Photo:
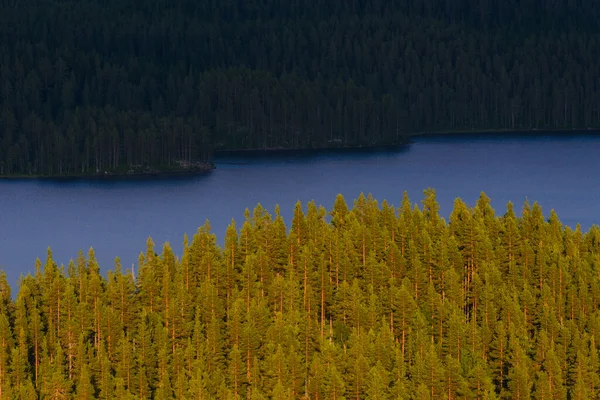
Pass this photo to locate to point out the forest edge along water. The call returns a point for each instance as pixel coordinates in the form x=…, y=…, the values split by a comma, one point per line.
x=189, y=168
x=133, y=172
x=116, y=216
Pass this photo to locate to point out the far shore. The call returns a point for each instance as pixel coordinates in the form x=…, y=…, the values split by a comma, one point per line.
x=404, y=140
x=540, y=131
x=112, y=175
x=284, y=150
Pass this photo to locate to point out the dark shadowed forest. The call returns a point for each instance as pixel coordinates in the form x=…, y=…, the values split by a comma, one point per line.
x=367, y=302
x=91, y=86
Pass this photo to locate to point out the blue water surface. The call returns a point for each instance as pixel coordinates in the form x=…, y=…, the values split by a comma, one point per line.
x=117, y=216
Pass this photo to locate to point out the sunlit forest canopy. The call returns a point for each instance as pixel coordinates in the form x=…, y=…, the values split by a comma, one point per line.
x=89, y=86
x=362, y=301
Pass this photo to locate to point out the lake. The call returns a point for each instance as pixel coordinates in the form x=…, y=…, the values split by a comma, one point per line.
x=117, y=216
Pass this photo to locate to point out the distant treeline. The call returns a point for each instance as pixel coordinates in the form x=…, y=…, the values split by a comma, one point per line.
x=89, y=86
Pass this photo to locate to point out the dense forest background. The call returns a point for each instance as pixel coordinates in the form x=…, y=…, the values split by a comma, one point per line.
x=90, y=85
x=372, y=302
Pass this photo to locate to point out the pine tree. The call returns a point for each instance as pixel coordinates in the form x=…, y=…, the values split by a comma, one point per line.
x=378, y=383
x=145, y=357
x=163, y=389
x=55, y=384
x=6, y=344
x=20, y=369
x=84, y=389
x=237, y=378
x=149, y=278
x=104, y=377
x=334, y=384
x=233, y=261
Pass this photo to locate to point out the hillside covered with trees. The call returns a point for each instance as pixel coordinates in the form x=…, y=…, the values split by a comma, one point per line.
x=372, y=302
x=89, y=86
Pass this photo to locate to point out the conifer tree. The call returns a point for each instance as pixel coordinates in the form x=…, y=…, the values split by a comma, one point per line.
x=84, y=389
x=6, y=344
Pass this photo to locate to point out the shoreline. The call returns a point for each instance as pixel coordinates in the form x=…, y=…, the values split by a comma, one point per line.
x=112, y=175
x=405, y=140
x=284, y=150
x=535, y=131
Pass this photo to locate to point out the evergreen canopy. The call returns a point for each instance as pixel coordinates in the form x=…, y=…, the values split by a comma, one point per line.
x=375, y=302
x=90, y=85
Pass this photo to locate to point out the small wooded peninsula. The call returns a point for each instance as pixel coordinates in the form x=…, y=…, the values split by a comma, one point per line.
x=370, y=301
x=92, y=87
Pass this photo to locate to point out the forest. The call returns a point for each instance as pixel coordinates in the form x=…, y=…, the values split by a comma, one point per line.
x=93, y=86
x=367, y=301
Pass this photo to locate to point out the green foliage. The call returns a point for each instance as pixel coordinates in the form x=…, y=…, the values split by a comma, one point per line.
x=483, y=306
x=90, y=87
